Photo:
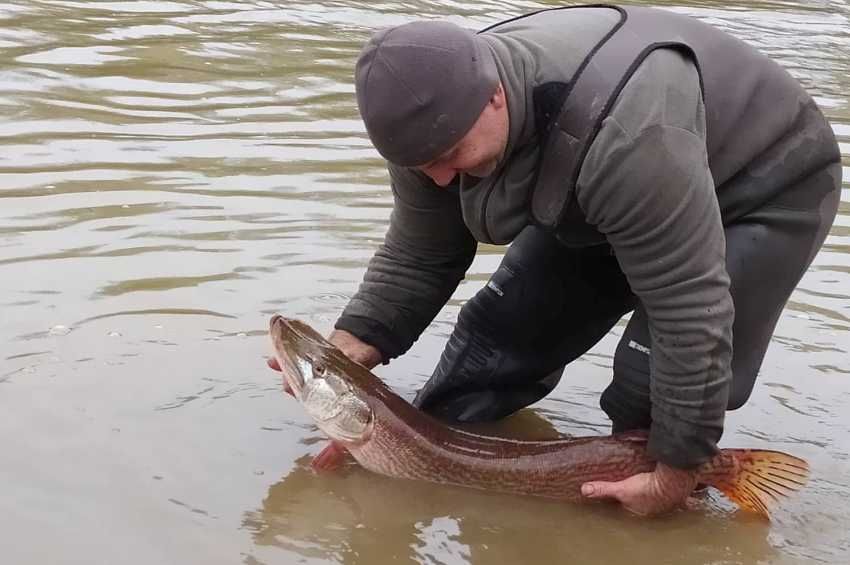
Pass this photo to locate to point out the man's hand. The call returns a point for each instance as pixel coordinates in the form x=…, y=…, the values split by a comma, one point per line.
x=273, y=364
x=355, y=349
x=647, y=494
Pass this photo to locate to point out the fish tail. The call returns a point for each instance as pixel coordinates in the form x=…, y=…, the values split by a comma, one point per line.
x=755, y=479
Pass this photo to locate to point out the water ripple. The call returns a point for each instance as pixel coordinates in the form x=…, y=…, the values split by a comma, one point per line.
x=203, y=162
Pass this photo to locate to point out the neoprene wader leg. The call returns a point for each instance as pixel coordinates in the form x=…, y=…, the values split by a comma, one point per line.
x=768, y=251
x=544, y=306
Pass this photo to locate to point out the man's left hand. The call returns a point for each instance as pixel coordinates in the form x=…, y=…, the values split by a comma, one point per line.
x=647, y=494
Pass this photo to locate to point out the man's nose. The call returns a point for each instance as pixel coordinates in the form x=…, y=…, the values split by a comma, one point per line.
x=441, y=175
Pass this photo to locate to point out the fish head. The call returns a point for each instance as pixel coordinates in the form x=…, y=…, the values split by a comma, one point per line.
x=320, y=376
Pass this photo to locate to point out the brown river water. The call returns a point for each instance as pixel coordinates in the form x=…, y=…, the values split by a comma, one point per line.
x=174, y=172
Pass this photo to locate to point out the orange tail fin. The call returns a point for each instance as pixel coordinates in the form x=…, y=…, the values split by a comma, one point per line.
x=754, y=479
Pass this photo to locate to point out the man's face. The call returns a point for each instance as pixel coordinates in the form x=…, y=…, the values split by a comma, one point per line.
x=479, y=152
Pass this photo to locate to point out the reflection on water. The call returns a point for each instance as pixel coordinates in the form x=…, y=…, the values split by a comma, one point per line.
x=344, y=517
x=175, y=171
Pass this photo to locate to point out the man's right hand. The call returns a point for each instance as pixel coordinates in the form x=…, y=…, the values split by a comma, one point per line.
x=355, y=349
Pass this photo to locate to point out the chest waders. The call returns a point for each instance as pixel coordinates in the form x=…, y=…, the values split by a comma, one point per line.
x=559, y=289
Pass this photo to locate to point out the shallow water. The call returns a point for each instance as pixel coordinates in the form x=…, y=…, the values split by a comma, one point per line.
x=173, y=172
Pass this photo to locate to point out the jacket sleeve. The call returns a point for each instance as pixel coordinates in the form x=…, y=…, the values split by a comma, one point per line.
x=646, y=185
x=424, y=256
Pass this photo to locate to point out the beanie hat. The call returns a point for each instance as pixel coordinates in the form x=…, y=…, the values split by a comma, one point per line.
x=420, y=88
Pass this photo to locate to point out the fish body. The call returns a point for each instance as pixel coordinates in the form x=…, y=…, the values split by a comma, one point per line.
x=388, y=435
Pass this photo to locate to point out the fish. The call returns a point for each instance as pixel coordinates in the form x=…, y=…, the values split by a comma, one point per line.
x=386, y=434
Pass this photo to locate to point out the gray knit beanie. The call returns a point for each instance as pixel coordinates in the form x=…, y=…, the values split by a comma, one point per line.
x=420, y=88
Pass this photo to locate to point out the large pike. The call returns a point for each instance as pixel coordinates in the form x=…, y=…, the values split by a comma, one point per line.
x=387, y=435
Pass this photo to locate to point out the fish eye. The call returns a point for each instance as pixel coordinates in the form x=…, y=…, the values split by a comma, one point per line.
x=319, y=369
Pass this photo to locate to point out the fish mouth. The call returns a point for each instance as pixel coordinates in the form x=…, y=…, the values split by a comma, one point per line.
x=307, y=361
x=298, y=349
x=285, y=340
x=297, y=333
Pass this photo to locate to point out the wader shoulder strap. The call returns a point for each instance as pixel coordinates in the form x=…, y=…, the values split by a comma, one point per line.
x=592, y=93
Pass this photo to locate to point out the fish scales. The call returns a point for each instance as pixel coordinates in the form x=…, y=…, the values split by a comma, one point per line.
x=387, y=435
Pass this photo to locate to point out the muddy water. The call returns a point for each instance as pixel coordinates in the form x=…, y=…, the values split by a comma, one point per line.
x=173, y=172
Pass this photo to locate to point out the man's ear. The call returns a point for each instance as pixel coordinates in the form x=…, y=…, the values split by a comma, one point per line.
x=498, y=98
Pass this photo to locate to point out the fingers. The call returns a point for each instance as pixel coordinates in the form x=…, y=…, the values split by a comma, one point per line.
x=639, y=494
x=623, y=492
x=601, y=489
x=273, y=364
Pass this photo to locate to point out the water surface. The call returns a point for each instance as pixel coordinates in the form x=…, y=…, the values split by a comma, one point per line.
x=173, y=172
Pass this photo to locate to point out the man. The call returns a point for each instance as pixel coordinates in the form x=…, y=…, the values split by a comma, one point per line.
x=637, y=161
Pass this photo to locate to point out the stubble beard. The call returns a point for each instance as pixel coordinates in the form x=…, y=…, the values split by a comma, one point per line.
x=484, y=170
